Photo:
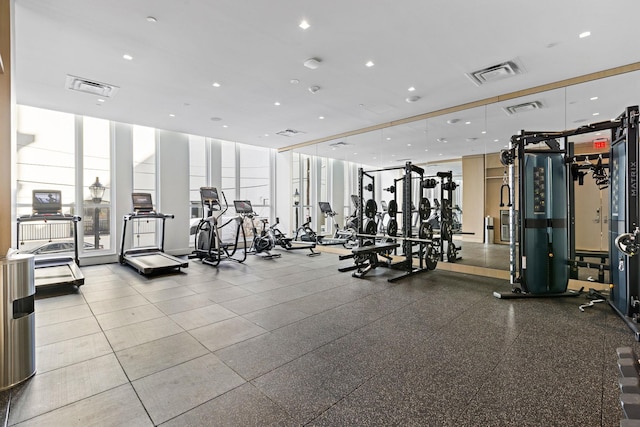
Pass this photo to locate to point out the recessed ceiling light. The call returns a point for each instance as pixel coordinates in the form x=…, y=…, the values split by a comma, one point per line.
x=412, y=99
x=355, y=154
x=321, y=117
x=496, y=140
x=483, y=132
x=388, y=138
x=593, y=98
x=276, y=103
x=266, y=134
x=585, y=34
x=408, y=145
x=100, y=100
x=151, y=19
x=215, y=84
x=225, y=126
x=467, y=123
x=294, y=81
x=411, y=89
x=426, y=149
x=595, y=114
x=369, y=64
x=443, y=140
x=172, y=115
x=393, y=155
x=440, y=154
x=127, y=57
x=304, y=24
x=373, y=158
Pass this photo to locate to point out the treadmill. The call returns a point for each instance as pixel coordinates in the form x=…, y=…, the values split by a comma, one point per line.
x=53, y=269
x=147, y=259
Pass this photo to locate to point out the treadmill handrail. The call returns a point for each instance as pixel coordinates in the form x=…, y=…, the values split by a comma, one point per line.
x=52, y=217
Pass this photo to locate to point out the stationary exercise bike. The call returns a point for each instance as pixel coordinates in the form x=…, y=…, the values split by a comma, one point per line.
x=209, y=247
x=264, y=240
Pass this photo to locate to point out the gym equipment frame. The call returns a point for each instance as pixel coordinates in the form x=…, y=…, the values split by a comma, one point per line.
x=366, y=254
x=53, y=270
x=148, y=259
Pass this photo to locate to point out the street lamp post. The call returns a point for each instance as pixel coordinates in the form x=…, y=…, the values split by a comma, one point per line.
x=296, y=202
x=97, y=191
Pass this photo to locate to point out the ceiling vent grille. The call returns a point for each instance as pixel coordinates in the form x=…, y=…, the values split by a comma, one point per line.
x=92, y=87
x=338, y=144
x=522, y=108
x=289, y=132
x=494, y=73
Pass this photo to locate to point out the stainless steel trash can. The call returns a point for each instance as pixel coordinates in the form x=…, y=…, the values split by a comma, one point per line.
x=17, y=319
x=488, y=230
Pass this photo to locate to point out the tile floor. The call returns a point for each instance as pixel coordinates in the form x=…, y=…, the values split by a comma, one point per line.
x=292, y=341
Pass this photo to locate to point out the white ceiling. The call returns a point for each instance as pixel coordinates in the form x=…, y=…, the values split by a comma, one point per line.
x=254, y=49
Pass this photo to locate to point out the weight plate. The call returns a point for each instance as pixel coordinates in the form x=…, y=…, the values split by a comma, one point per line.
x=392, y=227
x=445, y=230
x=452, y=252
x=431, y=257
x=369, y=187
x=425, y=231
x=370, y=227
x=392, y=209
x=424, y=209
x=370, y=208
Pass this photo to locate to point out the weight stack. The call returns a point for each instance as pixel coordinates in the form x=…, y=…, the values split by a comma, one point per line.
x=545, y=249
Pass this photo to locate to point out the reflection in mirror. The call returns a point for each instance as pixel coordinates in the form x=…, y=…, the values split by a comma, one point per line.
x=468, y=143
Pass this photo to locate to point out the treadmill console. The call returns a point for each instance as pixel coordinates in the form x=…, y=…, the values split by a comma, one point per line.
x=325, y=207
x=47, y=202
x=243, y=206
x=142, y=203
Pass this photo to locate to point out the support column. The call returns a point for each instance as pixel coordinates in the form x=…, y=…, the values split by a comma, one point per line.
x=7, y=125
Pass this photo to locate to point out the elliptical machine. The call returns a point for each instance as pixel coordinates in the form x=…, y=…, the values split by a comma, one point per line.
x=264, y=240
x=209, y=247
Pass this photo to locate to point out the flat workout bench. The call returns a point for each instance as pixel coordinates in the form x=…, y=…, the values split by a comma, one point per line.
x=366, y=257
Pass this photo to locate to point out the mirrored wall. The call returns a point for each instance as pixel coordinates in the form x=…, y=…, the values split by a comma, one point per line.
x=468, y=142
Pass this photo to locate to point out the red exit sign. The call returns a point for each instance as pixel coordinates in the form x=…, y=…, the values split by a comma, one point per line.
x=600, y=143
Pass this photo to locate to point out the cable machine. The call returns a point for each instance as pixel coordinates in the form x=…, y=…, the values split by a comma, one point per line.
x=541, y=266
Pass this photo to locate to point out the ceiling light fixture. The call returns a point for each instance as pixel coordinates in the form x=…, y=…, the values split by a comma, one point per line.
x=412, y=99
x=321, y=117
x=215, y=84
x=314, y=89
x=294, y=81
x=411, y=89
x=276, y=103
x=496, y=140
x=304, y=24
x=408, y=145
x=312, y=63
x=388, y=138
x=369, y=64
x=266, y=134
x=172, y=115
x=585, y=34
x=467, y=123
x=151, y=19
x=225, y=126
x=127, y=57
x=100, y=100
x=593, y=98
x=443, y=140
x=595, y=114
x=453, y=121
x=483, y=132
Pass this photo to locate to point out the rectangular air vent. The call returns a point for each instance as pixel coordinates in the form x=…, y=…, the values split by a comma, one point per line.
x=494, y=72
x=339, y=144
x=289, y=132
x=90, y=86
x=522, y=108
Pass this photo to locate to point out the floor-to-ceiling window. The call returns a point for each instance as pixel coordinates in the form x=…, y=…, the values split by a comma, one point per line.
x=144, y=232
x=96, y=149
x=45, y=162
